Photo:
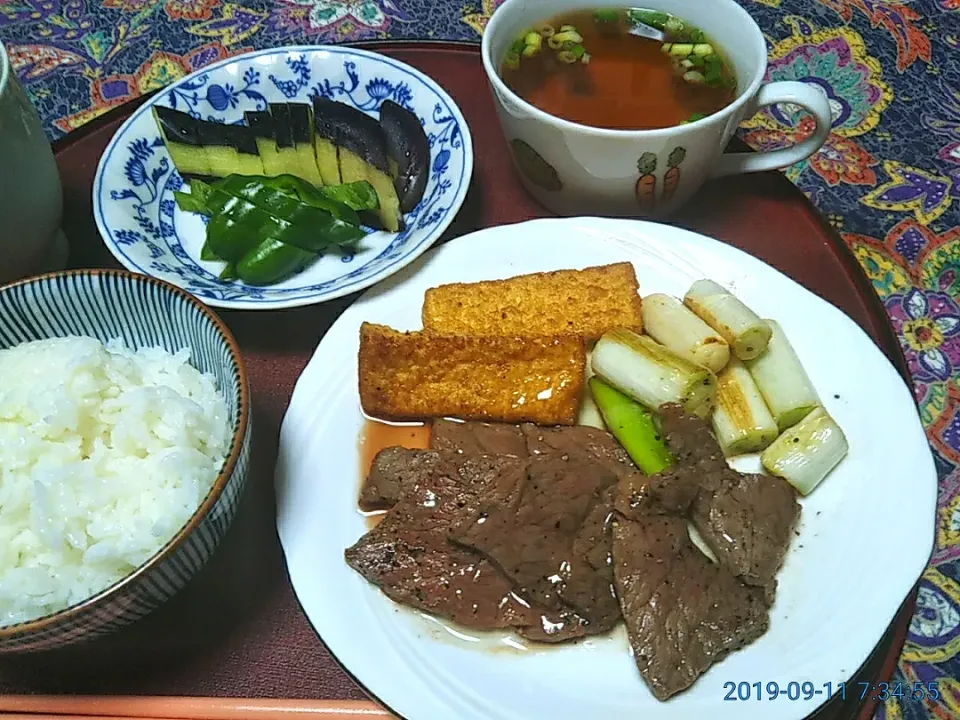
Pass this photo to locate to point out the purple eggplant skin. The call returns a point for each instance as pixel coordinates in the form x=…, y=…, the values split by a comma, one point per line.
x=353, y=129
x=408, y=147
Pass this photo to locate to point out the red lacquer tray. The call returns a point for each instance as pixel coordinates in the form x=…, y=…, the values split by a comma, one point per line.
x=237, y=630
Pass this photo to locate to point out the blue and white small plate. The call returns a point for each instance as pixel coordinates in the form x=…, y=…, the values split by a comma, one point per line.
x=133, y=190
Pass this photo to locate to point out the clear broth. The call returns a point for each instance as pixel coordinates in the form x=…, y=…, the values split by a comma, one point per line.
x=629, y=83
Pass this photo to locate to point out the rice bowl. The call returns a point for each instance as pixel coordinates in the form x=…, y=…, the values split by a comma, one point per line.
x=140, y=410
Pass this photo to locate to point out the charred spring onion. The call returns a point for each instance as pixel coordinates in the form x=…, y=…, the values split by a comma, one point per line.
x=782, y=381
x=741, y=421
x=743, y=330
x=673, y=325
x=633, y=425
x=651, y=374
x=806, y=453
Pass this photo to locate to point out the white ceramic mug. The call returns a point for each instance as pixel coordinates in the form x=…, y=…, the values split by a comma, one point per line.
x=31, y=196
x=573, y=169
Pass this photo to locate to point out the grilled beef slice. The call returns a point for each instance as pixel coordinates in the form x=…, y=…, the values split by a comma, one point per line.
x=748, y=522
x=551, y=536
x=480, y=438
x=477, y=438
x=394, y=471
x=692, y=444
x=683, y=613
x=580, y=442
x=409, y=556
x=667, y=493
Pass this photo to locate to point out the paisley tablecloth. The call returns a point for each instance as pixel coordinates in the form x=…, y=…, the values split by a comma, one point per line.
x=888, y=178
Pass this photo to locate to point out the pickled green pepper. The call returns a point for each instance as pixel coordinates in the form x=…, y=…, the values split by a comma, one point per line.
x=268, y=228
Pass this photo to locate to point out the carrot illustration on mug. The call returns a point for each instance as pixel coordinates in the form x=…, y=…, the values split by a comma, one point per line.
x=671, y=178
x=647, y=182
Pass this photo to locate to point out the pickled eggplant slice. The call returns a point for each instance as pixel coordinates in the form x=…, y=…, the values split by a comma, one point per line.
x=358, y=137
x=389, y=213
x=409, y=148
x=283, y=135
x=248, y=155
x=324, y=147
x=261, y=124
x=352, y=129
x=181, y=135
x=354, y=169
x=230, y=150
x=221, y=155
x=301, y=123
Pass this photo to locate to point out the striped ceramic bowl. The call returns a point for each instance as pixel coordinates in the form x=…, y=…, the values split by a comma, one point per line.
x=143, y=311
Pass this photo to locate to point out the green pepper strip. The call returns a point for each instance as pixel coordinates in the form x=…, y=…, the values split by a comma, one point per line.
x=268, y=212
x=634, y=426
x=235, y=229
x=192, y=201
x=272, y=261
x=266, y=228
x=207, y=253
x=341, y=201
x=273, y=190
x=229, y=272
x=356, y=195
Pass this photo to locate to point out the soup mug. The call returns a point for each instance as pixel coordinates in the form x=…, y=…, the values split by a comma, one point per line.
x=574, y=169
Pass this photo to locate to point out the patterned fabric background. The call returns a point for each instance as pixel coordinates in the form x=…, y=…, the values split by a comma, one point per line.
x=888, y=179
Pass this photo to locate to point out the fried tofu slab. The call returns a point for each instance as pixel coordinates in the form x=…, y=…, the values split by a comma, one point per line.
x=422, y=374
x=585, y=302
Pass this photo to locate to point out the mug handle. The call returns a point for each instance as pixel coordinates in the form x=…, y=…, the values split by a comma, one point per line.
x=798, y=93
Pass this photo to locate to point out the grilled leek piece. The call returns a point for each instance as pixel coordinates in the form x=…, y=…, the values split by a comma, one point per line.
x=673, y=325
x=806, y=453
x=651, y=374
x=782, y=381
x=743, y=330
x=741, y=421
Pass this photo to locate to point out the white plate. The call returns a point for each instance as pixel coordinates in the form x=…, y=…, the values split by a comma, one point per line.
x=865, y=535
x=144, y=229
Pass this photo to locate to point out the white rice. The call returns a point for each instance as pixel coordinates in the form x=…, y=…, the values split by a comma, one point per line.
x=104, y=455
